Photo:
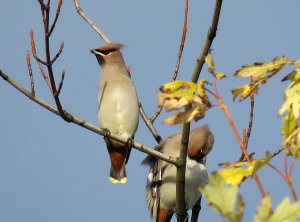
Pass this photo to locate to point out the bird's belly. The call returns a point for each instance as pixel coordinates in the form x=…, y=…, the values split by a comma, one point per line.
x=196, y=177
x=118, y=112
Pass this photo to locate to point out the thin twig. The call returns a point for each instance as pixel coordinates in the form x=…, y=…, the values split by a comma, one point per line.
x=242, y=145
x=58, y=53
x=250, y=124
x=30, y=73
x=209, y=40
x=62, y=112
x=184, y=30
x=90, y=126
x=150, y=126
x=90, y=22
x=277, y=152
x=292, y=166
x=33, y=49
x=156, y=114
x=45, y=76
x=56, y=17
x=61, y=82
x=183, y=37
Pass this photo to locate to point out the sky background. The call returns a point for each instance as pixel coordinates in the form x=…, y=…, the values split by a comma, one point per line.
x=51, y=170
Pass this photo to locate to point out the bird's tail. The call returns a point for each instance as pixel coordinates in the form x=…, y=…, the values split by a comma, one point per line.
x=118, y=176
x=118, y=155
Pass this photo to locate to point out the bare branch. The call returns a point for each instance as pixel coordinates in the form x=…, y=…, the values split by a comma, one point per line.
x=90, y=22
x=45, y=76
x=90, y=126
x=33, y=48
x=209, y=40
x=61, y=82
x=30, y=73
x=49, y=64
x=156, y=114
x=56, y=17
x=149, y=124
x=58, y=53
x=180, y=176
x=43, y=6
x=184, y=30
x=277, y=151
x=251, y=115
x=180, y=179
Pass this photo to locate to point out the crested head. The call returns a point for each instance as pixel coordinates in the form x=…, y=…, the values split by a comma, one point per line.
x=109, y=53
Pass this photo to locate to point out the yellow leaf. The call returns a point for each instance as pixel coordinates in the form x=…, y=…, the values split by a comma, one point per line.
x=294, y=75
x=174, y=86
x=234, y=173
x=292, y=144
x=210, y=62
x=187, y=116
x=289, y=124
x=220, y=75
x=201, y=91
x=244, y=91
x=297, y=62
x=257, y=70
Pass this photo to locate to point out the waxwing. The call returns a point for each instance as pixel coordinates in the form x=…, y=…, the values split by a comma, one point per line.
x=118, y=109
x=161, y=181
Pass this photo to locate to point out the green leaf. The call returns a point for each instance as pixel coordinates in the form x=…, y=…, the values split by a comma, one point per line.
x=293, y=104
x=292, y=144
x=284, y=212
x=263, y=214
x=224, y=198
x=289, y=124
x=257, y=70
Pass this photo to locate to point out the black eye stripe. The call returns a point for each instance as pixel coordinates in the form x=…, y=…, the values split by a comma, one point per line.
x=105, y=52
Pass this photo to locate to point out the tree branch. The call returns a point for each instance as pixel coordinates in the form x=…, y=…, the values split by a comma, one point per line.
x=90, y=22
x=180, y=186
x=30, y=73
x=209, y=40
x=149, y=124
x=89, y=126
x=184, y=30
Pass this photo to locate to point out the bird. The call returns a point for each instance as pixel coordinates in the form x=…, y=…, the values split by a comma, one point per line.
x=118, y=106
x=161, y=180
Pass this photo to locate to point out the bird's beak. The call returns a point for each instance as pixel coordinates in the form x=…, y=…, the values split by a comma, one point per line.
x=93, y=51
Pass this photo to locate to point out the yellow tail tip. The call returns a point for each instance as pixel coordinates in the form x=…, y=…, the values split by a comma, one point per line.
x=114, y=180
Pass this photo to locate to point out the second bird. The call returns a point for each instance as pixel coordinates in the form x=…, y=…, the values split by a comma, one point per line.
x=118, y=109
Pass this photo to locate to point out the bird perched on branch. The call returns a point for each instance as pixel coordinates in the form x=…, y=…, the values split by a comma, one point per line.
x=161, y=181
x=118, y=109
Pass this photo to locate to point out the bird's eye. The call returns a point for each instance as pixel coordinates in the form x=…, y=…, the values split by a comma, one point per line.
x=106, y=52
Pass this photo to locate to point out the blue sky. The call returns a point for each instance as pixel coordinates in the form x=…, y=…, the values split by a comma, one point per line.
x=51, y=170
